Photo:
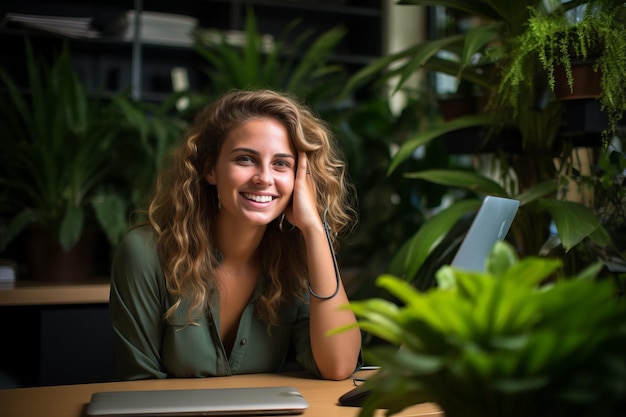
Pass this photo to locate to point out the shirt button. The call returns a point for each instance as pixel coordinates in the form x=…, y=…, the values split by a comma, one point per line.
x=243, y=341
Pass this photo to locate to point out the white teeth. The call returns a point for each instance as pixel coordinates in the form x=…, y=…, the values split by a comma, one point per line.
x=258, y=198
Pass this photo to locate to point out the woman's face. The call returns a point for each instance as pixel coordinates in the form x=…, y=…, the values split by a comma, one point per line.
x=255, y=172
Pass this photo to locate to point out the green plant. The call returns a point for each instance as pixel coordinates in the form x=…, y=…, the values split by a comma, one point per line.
x=554, y=36
x=532, y=172
x=508, y=342
x=460, y=55
x=610, y=193
x=309, y=74
x=148, y=132
x=56, y=140
x=390, y=209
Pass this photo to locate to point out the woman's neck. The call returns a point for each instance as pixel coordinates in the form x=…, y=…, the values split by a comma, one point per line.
x=239, y=244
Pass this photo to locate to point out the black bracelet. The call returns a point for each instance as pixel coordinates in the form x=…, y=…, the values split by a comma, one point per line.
x=332, y=251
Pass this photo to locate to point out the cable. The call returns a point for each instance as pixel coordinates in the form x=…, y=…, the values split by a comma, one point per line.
x=332, y=251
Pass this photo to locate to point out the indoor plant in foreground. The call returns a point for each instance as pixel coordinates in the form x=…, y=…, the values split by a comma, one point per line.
x=507, y=342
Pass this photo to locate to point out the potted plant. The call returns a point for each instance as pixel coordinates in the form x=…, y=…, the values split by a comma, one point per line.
x=257, y=63
x=511, y=341
x=532, y=172
x=582, y=55
x=56, y=146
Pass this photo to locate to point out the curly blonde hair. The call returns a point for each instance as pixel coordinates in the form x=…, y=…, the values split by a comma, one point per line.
x=185, y=205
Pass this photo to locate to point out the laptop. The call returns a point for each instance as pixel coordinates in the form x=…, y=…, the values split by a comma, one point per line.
x=256, y=401
x=491, y=224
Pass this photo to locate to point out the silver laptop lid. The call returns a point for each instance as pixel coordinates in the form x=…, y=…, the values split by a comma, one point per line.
x=198, y=402
x=492, y=223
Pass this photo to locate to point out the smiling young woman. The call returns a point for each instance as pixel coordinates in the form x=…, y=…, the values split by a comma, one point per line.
x=235, y=271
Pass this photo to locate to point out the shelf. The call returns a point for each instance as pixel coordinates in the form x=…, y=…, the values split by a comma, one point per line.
x=114, y=63
x=24, y=293
x=324, y=7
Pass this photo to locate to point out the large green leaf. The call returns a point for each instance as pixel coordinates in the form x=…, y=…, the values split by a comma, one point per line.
x=514, y=13
x=313, y=61
x=474, y=74
x=538, y=191
x=421, y=53
x=423, y=138
x=71, y=226
x=475, y=40
x=573, y=220
x=408, y=260
x=410, y=59
x=111, y=211
x=472, y=7
x=462, y=179
x=17, y=225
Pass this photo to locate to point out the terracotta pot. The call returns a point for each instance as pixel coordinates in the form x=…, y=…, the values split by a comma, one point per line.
x=586, y=82
x=47, y=261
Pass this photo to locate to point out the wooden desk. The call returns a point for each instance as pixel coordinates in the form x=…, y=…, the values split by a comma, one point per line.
x=71, y=400
x=25, y=293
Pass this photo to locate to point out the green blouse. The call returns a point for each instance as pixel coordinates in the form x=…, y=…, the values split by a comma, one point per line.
x=149, y=347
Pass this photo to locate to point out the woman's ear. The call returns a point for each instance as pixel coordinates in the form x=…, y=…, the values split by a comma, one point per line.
x=210, y=178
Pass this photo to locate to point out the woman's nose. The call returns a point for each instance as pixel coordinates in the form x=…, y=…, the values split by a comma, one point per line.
x=264, y=175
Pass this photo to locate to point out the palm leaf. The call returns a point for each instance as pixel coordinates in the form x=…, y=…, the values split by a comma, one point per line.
x=410, y=258
x=574, y=221
x=315, y=57
x=462, y=179
x=472, y=7
x=407, y=148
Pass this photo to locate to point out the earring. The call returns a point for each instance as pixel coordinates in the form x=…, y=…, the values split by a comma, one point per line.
x=280, y=224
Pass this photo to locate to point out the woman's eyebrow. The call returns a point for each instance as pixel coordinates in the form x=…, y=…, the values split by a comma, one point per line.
x=285, y=155
x=255, y=152
x=245, y=150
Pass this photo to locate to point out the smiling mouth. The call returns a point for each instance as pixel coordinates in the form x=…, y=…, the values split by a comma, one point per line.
x=258, y=198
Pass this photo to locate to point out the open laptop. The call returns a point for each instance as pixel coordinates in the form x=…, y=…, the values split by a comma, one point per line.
x=256, y=401
x=491, y=224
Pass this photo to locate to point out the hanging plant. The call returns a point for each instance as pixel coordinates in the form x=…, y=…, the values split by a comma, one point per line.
x=556, y=39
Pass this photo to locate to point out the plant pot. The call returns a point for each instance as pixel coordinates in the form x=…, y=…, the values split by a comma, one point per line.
x=474, y=140
x=47, y=261
x=586, y=82
x=454, y=107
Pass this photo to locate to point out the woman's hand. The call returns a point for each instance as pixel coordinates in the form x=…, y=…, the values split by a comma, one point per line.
x=336, y=356
x=302, y=212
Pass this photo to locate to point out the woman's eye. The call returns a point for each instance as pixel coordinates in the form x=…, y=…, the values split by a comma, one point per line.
x=282, y=164
x=244, y=159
